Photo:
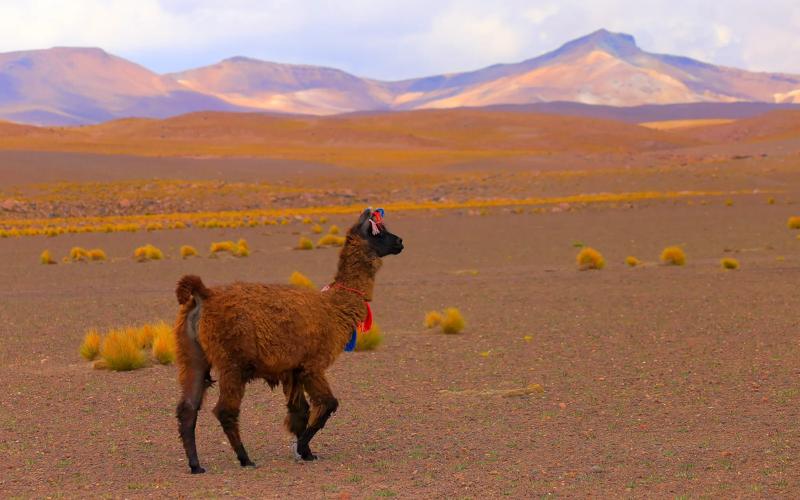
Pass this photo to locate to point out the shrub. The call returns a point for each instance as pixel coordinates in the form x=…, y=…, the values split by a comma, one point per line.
x=300, y=279
x=307, y=220
x=728, y=203
x=369, y=341
x=120, y=351
x=770, y=201
x=78, y=254
x=144, y=335
x=316, y=229
x=729, y=263
x=794, y=222
x=331, y=240
x=242, y=250
x=97, y=254
x=432, y=319
x=46, y=258
x=453, y=321
x=632, y=261
x=673, y=256
x=147, y=252
x=323, y=220
x=164, y=344
x=334, y=229
x=90, y=347
x=188, y=251
x=223, y=246
x=589, y=258
x=305, y=244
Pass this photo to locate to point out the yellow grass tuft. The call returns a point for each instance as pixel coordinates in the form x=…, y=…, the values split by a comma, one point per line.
x=729, y=263
x=97, y=254
x=164, y=343
x=223, y=246
x=794, y=222
x=316, y=229
x=331, y=240
x=452, y=322
x=300, y=279
x=323, y=220
x=632, y=261
x=770, y=201
x=78, y=254
x=46, y=258
x=188, y=251
x=673, y=256
x=334, y=229
x=307, y=220
x=144, y=335
x=90, y=347
x=147, y=252
x=729, y=203
x=305, y=244
x=432, y=319
x=242, y=249
x=121, y=352
x=369, y=341
x=589, y=258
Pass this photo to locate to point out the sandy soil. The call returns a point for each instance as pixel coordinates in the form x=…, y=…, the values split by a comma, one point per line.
x=658, y=381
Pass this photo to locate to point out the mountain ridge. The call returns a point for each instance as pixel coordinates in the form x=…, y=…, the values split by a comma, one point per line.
x=85, y=85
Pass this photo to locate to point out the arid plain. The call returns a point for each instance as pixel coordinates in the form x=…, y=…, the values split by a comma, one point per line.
x=652, y=381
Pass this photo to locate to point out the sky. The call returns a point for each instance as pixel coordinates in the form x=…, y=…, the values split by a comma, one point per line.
x=393, y=40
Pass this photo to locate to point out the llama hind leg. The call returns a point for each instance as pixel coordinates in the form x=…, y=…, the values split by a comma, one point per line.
x=231, y=392
x=194, y=386
x=323, y=405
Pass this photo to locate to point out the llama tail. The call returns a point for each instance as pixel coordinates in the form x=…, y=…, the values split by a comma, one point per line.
x=190, y=286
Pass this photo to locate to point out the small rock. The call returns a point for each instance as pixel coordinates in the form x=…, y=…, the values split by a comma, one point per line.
x=596, y=469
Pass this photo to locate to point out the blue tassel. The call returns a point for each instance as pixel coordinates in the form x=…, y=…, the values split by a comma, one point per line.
x=351, y=345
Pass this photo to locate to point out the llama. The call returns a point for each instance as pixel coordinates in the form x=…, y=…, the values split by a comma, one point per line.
x=280, y=333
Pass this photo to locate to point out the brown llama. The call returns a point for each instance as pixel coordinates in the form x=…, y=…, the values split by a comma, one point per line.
x=280, y=333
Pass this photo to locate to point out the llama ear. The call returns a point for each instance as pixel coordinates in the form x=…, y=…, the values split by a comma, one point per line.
x=362, y=227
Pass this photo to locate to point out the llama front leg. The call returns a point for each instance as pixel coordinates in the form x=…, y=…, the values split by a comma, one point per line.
x=193, y=385
x=231, y=392
x=296, y=419
x=323, y=405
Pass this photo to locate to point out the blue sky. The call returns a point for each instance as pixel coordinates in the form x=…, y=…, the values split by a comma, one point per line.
x=401, y=39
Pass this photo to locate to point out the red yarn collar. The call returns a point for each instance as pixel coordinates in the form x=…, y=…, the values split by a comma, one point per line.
x=363, y=326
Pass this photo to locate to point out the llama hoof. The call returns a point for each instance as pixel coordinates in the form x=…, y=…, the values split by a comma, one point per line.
x=198, y=470
x=309, y=457
x=302, y=455
x=247, y=463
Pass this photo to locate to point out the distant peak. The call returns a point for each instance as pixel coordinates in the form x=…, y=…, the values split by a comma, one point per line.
x=240, y=59
x=616, y=43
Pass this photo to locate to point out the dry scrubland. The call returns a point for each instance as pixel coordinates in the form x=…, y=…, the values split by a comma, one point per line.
x=499, y=367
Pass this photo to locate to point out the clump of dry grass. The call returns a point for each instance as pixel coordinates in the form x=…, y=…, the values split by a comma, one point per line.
x=452, y=322
x=729, y=263
x=164, y=344
x=323, y=220
x=78, y=254
x=432, y=319
x=632, y=261
x=305, y=244
x=673, y=256
x=223, y=246
x=369, y=341
x=331, y=240
x=120, y=351
x=147, y=252
x=242, y=249
x=316, y=229
x=794, y=222
x=90, y=347
x=46, y=258
x=97, y=254
x=589, y=258
x=299, y=279
x=728, y=203
x=188, y=251
x=334, y=229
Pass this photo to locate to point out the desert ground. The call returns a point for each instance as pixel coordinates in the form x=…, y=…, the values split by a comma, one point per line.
x=658, y=381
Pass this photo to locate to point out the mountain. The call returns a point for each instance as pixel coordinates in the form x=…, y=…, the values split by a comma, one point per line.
x=67, y=86
x=80, y=86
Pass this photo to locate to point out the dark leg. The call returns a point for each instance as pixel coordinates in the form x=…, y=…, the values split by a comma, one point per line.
x=323, y=404
x=231, y=392
x=192, y=379
x=296, y=419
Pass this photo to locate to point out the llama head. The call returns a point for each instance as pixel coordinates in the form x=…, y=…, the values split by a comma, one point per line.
x=371, y=228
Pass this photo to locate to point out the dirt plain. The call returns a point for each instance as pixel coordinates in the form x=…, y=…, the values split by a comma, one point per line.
x=659, y=381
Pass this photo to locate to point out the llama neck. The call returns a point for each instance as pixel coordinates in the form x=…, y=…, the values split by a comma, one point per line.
x=357, y=266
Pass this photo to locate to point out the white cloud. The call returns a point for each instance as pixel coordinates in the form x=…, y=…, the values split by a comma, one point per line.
x=394, y=39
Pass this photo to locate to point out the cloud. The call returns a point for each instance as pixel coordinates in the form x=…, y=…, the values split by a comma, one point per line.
x=393, y=39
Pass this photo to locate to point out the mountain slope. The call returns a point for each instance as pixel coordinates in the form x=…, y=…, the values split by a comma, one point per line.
x=77, y=85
